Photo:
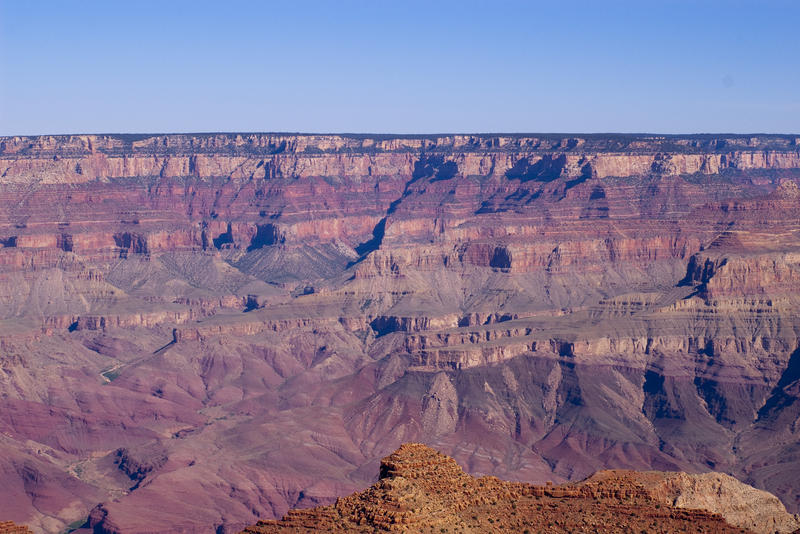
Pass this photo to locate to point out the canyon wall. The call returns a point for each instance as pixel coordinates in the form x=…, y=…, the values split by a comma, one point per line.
x=201, y=321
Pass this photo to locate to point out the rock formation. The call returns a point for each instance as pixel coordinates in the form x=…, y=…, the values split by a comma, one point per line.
x=739, y=504
x=422, y=490
x=219, y=328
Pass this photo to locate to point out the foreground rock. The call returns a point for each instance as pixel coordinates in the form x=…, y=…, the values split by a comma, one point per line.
x=739, y=504
x=422, y=490
x=8, y=527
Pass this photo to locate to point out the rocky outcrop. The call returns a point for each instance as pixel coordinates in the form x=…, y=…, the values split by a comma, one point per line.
x=739, y=504
x=421, y=490
x=8, y=527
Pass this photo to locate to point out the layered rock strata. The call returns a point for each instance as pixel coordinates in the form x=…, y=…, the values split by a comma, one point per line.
x=203, y=321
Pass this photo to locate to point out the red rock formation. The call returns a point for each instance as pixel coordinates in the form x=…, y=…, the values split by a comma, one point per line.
x=421, y=490
x=252, y=309
x=8, y=527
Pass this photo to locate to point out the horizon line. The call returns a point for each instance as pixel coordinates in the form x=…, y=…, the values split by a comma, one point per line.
x=410, y=135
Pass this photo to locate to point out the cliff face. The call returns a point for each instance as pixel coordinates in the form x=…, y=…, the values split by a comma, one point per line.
x=541, y=307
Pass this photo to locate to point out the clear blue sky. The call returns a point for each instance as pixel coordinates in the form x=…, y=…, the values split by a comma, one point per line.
x=405, y=66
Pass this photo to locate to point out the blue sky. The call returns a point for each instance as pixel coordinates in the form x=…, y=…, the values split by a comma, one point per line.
x=666, y=66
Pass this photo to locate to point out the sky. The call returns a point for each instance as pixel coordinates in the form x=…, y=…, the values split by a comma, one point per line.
x=380, y=66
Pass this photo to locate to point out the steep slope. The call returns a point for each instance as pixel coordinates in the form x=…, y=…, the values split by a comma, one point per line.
x=219, y=328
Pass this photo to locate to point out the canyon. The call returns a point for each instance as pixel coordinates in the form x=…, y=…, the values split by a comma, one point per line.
x=198, y=331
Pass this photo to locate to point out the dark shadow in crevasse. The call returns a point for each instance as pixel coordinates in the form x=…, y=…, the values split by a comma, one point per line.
x=780, y=398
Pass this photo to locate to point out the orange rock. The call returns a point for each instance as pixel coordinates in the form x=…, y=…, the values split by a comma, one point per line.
x=422, y=490
x=8, y=527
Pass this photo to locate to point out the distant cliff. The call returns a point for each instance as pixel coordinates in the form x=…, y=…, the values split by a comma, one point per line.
x=76, y=159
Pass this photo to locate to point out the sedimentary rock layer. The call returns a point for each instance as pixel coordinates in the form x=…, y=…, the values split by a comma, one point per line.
x=218, y=328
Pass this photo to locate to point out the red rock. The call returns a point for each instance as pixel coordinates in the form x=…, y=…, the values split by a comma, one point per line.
x=274, y=313
x=421, y=490
x=8, y=527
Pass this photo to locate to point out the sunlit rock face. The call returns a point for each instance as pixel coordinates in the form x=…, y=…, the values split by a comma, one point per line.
x=218, y=328
x=422, y=490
